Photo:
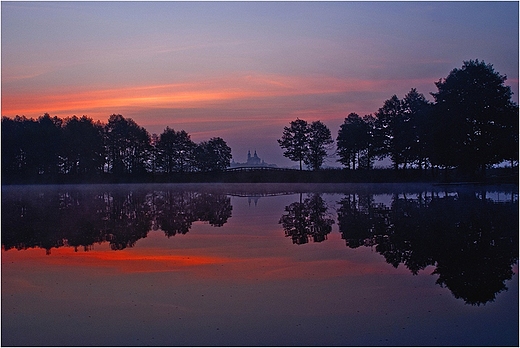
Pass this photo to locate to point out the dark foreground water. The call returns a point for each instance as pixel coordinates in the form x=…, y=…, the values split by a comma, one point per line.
x=228, y=265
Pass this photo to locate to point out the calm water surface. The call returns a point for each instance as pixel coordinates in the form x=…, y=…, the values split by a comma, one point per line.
x=228, y=265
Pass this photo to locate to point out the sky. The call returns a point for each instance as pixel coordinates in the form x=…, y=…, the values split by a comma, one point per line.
x=241, y=71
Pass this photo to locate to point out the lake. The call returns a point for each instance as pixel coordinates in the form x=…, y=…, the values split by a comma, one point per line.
x=260, y=265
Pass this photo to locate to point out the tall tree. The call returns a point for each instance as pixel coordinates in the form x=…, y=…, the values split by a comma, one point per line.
x=353, y=139
x=212, y=155
x=154, y=153
x=13, y=152
x=390, y=131
x=84, y=151
x=473, y=107
x=367, y=155
x=47, y=144
x=415, y=128
x=294, y=141
x=128, y=146
x=319, y=141
x=176, y=151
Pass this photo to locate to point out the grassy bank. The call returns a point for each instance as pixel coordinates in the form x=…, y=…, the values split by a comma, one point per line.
x=496, y=175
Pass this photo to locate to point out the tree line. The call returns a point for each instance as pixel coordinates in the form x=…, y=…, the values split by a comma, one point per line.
x=81, y=147
x=472, y=123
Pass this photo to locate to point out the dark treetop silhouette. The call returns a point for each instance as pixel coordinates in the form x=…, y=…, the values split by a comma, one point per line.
x=473, y=124
x=79, y=148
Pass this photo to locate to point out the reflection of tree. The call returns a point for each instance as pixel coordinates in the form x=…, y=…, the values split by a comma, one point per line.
x=307, y=220
x=472, y=242
x=486, y=236
x=175, y=212
x=215, y=209
x=360, y=220
x=407, y=239
x=80, y=218
x=37, y=220
x=81, y=223
x=126, y=219
x=178, y=210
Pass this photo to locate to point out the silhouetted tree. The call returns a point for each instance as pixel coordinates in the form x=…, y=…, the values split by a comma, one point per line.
x=128, y=146
x=390, y=131
x=41, y=150
x=83, y=151
x=348, y=140
x=319, y=141
x=415, y=128
x=353, y=141
x=14, y=149
x=32, y=147
x=212, y=155
x=366, y=156
x=154, y=154
x=472, y=108
x=295, y=141
x=175, y=151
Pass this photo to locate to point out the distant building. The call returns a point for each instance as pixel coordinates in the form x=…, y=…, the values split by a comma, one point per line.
x=252, y=161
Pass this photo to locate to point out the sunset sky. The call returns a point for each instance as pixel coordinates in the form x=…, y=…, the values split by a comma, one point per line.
x=241, y=70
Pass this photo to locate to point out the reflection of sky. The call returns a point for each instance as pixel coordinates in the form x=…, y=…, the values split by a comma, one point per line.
x=291, y=295
x=241, y=70
x=240, y=284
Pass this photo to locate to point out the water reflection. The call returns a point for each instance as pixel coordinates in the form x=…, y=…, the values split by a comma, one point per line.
x=472, y=241
x=307, y=220
x=80, y=218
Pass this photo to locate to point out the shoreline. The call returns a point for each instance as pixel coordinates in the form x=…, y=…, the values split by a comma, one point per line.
x=252, y=176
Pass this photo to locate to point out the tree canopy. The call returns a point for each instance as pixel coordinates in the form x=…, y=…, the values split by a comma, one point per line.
x=475, y=117
x=80, y=148
x=354, y=140
x=294, y=140
x=472, y=124
x=306, y=143
x=175, y=151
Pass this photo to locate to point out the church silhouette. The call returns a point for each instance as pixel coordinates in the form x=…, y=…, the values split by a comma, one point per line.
x=252, y=161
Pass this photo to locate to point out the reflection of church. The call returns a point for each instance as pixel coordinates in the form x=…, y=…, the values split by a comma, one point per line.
x=252, y=161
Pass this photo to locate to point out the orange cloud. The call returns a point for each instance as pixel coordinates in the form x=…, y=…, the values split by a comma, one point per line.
x=180, y=95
